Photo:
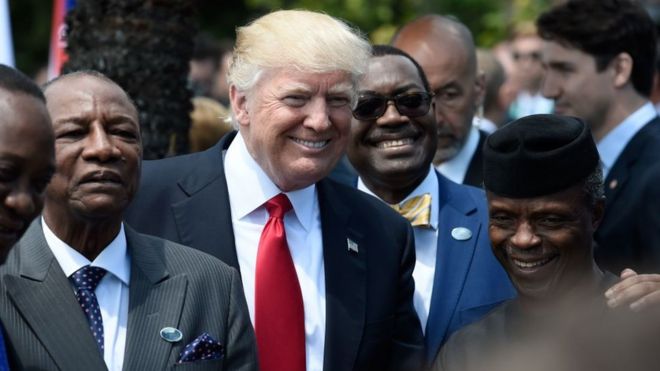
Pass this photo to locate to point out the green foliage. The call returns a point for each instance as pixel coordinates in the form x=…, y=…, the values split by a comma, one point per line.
x=489, y=20
x=30, y=23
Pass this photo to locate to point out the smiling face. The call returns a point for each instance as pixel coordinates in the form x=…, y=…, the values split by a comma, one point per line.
x=97, y=149
x=544, y=243
x=26, y=164
x=394, y=150
x=295, y=124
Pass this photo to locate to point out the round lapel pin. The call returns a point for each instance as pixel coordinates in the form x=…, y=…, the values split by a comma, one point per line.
x=461, y=234
x=171, y=334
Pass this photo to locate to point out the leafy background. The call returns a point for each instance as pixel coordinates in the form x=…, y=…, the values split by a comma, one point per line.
x=489, y=20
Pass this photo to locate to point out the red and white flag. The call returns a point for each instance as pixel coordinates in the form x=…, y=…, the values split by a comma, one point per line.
x=58, y=55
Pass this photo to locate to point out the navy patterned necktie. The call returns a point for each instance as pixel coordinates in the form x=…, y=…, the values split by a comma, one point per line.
x=85, y=281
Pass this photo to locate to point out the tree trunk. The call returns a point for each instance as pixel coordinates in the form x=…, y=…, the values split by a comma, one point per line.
x=144, y=46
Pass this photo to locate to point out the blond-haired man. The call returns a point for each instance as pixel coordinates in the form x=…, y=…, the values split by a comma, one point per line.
x=337, y=295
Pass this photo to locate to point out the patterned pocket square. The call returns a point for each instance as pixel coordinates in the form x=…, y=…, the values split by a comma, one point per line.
x=205, y=347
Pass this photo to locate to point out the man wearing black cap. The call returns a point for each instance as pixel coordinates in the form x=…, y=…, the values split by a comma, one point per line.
x=544, y=186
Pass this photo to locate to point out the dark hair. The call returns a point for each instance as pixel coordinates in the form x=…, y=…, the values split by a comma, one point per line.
x=383, y=50
x=603, y=29
x=15, y=81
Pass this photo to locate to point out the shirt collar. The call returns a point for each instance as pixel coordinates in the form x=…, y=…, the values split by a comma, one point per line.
x=456, y=167
x=249, y=187
x=114, y=258
x=611, y=146
x=428, y=185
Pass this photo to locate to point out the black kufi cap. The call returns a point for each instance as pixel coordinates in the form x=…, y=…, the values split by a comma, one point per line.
x=538, y=155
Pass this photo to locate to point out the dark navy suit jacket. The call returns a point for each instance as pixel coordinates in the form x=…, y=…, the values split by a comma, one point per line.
x=371, y=323
x=629, y=235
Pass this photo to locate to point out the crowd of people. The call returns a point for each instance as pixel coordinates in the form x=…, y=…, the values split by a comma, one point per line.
x=366, y=211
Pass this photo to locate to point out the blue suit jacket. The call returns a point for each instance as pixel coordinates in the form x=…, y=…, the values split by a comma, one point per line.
x=469, y=281
x=629, y=235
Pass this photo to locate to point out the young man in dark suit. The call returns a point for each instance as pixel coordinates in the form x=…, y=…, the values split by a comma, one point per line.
x=599, y=59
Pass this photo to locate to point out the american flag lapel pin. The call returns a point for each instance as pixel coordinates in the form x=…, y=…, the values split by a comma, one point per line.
x=352, y=246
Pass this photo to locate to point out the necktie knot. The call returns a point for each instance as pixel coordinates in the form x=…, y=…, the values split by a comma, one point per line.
x=416, y=209
x=87, y=277
x=278, y=206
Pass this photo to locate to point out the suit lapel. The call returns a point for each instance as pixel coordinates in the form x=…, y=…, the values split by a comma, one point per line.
x=619, y=174
x=44, y=297
x=452, y=263
x=155, y=301
x=345, y=281
x=204, y=187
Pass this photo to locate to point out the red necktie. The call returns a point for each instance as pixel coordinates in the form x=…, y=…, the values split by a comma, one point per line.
x=279, y=314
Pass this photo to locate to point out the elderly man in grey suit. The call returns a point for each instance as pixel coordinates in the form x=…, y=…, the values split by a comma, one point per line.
x=83, y=291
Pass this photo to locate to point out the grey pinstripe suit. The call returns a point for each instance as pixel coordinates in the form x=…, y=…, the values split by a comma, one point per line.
x=171, y=285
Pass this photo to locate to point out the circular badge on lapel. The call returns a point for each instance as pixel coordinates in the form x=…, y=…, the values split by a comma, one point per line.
x=171, y=334
x=461, y=234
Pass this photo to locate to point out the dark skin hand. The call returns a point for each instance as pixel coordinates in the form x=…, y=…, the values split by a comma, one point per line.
x=637, y=291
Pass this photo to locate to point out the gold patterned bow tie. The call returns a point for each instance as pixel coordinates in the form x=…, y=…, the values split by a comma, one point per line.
x=417, y=210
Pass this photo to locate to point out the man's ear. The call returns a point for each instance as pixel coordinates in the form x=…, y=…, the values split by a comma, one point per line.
x=238, y=100
x=623, y=65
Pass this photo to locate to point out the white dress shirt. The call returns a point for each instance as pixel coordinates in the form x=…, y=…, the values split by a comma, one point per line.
x=527, y=104
x=455, y=168
x=249, y=188
x=612, y=144
x=111, y=293
x=426, y=246
x=482, y=123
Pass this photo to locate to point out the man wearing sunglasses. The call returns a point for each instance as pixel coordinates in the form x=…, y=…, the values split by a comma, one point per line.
x=445, y=49
x=392, y=143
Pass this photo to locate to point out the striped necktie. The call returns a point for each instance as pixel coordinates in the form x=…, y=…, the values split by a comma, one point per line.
x=416, y=209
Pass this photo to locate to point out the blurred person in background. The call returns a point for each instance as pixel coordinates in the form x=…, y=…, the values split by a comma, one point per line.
x=493, y=112
x=445, y=49
x=204, y=64
x=526, y=48
x=209, y=121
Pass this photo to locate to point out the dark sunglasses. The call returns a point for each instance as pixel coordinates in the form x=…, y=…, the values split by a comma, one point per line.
x=373, y=106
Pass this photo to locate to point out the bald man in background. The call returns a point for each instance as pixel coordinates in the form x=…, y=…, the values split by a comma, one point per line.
x=445, y=49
